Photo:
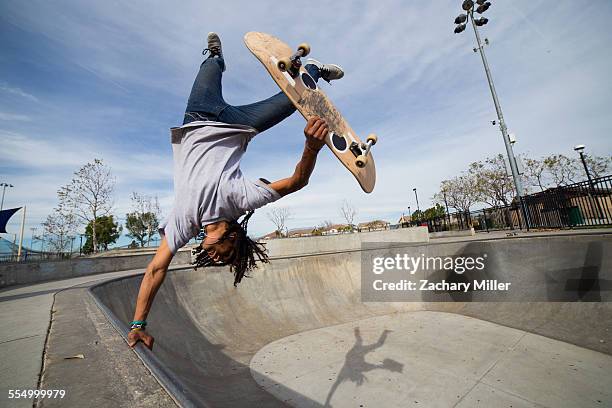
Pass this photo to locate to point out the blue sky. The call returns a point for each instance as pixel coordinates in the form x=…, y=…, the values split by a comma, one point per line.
x=81, y=80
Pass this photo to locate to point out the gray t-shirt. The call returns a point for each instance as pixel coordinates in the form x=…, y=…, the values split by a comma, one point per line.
x=208, y=183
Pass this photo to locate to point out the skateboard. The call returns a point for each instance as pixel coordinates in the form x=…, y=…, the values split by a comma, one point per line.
x=285, y=67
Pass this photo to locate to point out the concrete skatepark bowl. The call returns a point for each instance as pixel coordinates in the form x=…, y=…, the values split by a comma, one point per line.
x=298, y=334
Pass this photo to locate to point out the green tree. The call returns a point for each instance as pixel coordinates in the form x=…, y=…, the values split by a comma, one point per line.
x=460, y=193
x=416, y=215
x=493, y=184
x=141, y=226
x=107, y=233
x=434, y=212
x=562, y=170
x=535, y=174
x=143, y=222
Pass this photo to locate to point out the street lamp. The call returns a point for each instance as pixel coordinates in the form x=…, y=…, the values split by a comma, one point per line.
x=4, y=186
x=447, y=213
x=461, y=22
x=417, y=200
x=580, y=149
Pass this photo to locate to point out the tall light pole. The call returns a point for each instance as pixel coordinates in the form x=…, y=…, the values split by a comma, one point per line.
x=417, y=200
x=4, y=186
x=33, y=229
x=461, y=21
x=580, y=150
x=447, y=213
x=81, y=244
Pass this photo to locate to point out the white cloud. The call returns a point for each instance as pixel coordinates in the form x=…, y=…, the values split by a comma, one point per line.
x=14, y=117
x=6, y=88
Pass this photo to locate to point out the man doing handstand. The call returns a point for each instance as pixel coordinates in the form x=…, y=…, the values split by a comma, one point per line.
x=211, y=193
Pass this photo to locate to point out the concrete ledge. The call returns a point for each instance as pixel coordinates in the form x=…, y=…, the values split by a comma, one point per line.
x=452, y=234
x=33, y=272
x=342, y=242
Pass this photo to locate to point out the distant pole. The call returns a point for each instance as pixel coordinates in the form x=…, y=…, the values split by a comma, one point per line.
x=580, y=150
x=417, y=200
x=33, y=229
x=21, y=237
x=81, y=245
x=447, y=213
x=586, y=168
x=14, y=245
x=4, y=186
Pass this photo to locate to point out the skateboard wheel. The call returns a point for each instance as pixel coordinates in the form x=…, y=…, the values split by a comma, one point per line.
x=305, y=48
x=283, y=64
x=361, y=161
x=372, y=138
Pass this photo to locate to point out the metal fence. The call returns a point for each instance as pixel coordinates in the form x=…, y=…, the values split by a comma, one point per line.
x=584, y=204
x=27, y=256
x=577, y=205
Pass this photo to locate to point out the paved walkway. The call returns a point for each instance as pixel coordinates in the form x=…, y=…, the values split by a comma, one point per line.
x=25, y=314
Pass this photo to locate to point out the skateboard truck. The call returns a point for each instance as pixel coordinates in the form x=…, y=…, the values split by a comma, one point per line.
x=361, y=152
x=293, y=63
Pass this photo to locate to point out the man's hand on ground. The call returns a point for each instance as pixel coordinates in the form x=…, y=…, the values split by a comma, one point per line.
x=134, y=336
x=315, y=132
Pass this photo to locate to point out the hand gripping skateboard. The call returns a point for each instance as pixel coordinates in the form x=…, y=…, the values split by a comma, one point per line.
x=285, y=67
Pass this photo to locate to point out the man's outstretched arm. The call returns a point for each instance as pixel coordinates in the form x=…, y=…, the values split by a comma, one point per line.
x=152, y=280
x=315, y=132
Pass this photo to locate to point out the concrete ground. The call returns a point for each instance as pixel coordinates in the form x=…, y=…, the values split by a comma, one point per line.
x=27, y=313
x=431, y=359
x=288, y=334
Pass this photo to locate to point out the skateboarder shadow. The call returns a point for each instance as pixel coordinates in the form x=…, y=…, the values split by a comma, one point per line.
x=355, y=365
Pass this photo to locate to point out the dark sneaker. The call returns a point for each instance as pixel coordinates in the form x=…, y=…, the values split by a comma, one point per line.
x=214, y=45
x=328, y=72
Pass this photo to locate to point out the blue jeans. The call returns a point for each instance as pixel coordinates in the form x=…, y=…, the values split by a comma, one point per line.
x=206, y=101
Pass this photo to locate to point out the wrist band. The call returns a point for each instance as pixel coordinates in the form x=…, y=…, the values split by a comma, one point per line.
x=138, y=324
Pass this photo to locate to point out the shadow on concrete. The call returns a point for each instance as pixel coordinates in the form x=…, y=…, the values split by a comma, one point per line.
x=28, y=295
x=581, y=284
x=355, y=365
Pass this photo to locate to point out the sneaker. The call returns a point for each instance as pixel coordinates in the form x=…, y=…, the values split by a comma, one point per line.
x=214, y=45
x=328, y=72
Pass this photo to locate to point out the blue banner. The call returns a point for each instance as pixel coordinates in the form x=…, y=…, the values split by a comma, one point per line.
x=5, y=216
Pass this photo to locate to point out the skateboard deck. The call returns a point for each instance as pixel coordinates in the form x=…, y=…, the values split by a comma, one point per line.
x=310, y=101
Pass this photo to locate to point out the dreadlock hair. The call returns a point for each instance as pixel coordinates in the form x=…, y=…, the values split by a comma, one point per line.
x=245, y=251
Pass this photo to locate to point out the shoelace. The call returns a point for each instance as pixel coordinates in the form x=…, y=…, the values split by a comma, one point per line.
x=324, y=73
x=213, y=51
